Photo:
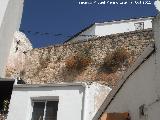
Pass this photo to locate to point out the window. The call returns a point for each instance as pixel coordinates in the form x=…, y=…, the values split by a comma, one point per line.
x=139, y=26
x=44, y=110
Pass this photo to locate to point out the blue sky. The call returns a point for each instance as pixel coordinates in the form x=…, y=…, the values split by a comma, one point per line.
x=67, y=17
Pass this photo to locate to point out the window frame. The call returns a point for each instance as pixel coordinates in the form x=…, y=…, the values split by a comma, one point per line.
x=44, y=99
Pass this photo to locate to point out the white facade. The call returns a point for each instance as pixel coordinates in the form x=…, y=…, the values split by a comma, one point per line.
x=76, y=102
x=108, y=28
x=139, y=93
x=138, y=90
x=10, y=17
x=121, y=26
x=70, y=106
x=94, y=96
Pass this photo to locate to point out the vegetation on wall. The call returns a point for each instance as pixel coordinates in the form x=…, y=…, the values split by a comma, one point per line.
x=77, y=62
x=4, y=110
x=90, y=60
x=114, y=60
x=80, y=60
x=5, y=106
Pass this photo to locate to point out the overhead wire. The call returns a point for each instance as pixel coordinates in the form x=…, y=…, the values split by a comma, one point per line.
x=53, y=34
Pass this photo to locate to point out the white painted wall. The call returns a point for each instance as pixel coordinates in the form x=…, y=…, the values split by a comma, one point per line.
x=94, y=97
x=3, y=4
x=10, y=17
x=70, y=105
x=156, y=30
x=139, y=89
x=108, y=28
x=75, y=102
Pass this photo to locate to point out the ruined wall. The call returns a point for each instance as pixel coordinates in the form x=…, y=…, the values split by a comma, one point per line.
x=48, y=65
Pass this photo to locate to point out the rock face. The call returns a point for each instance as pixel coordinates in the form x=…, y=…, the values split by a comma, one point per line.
x=80, y=61
x=20, y=46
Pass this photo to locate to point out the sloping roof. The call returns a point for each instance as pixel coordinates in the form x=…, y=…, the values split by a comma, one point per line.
x=49, y=85
x=108, y=22
x=144, y=56
x=91, y=25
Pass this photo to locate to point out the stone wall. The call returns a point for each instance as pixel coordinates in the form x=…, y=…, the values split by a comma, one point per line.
x=48, y=65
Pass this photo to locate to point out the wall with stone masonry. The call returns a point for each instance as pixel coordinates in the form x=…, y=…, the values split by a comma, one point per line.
x=48, y=65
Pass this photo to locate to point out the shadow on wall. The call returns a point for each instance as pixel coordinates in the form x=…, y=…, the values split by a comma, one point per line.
x=5, y=96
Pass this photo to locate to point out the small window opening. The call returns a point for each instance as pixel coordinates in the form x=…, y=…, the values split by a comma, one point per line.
x=139, y=26
x=45, y=110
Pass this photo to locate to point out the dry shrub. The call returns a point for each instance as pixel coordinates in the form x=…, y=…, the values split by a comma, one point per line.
x=70, y=62
x=114, y=60
x=74, y=66
x=80, y=60
x=77, y=62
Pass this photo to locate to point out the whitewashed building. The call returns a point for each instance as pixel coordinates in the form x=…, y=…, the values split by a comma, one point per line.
x=113, y=27
x=70, y=101
x=10, y=17
x=138, y=93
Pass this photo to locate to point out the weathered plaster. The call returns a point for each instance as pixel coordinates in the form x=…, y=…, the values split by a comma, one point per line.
x=95, y=94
